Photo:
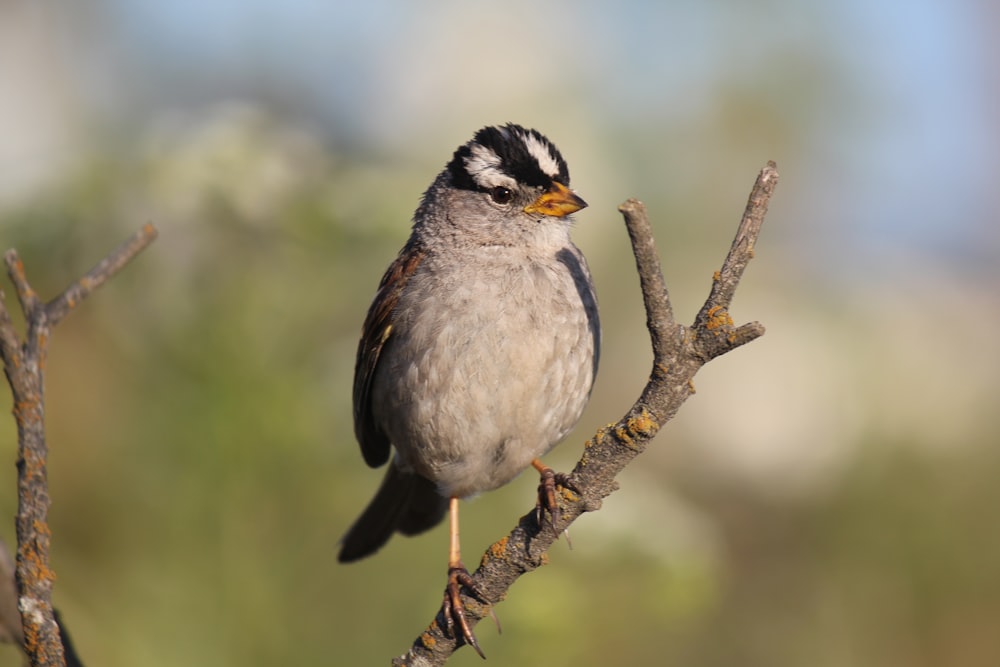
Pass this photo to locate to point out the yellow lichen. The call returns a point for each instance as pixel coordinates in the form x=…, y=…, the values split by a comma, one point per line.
x=498, y=548
x=643, y=424
x=624, y=437
x=718, y=317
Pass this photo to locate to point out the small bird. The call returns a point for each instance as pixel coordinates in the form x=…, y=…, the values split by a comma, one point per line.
x=480, y=349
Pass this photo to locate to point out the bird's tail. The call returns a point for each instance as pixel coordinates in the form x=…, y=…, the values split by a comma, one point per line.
x=405, y=502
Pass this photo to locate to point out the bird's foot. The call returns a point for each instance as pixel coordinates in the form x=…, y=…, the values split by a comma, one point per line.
x=546, y=501
x=454, y=608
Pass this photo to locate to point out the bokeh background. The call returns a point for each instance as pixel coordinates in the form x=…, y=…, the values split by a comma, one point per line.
x=827, y=498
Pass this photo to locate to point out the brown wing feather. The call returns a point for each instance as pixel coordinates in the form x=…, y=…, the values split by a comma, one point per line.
x=377, y=330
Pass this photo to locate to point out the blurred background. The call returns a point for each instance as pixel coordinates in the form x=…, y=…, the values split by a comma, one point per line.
x=827, y=498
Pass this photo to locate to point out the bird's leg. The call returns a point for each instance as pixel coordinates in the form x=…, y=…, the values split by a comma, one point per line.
x=458, y=576
x=547, y=492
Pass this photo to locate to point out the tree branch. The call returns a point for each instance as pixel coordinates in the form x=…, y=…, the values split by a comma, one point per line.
x=24, y=366
x=678, y=353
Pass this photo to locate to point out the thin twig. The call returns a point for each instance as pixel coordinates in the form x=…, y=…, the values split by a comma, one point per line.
x=659, y=312
x=61, y=306
x=742, y=250
x=678, y=353
x=24, y=366
x=15, y=270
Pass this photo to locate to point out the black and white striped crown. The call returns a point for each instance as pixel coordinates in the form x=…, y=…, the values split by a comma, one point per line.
x=507, y=156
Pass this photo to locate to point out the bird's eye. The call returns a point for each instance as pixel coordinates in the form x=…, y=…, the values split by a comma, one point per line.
x=501, y=195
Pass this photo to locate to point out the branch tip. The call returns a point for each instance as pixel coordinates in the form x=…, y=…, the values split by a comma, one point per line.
x=632, y=206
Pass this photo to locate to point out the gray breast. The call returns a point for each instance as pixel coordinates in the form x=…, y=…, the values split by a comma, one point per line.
x=488, y=369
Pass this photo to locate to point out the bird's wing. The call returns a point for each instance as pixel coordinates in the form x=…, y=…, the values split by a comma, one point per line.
x=376, y=332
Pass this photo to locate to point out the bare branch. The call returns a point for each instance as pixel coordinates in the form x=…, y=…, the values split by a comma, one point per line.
x=678, y=353
x=24, y=366
x=742, y=250
x=15, y=269
x=659, y=312
x=61, y=306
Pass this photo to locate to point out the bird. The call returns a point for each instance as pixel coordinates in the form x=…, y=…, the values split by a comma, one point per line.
x=480, y=349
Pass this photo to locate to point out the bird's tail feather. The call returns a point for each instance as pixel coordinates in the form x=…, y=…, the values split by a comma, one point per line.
x=405, y=502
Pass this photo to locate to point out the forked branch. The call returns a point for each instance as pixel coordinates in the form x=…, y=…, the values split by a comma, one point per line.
x=24, y=365
x=678, y=353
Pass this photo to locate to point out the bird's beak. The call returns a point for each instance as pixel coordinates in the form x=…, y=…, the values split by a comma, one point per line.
x=558, y=201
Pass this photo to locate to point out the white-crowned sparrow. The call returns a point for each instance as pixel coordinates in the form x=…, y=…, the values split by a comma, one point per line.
x=480, y=349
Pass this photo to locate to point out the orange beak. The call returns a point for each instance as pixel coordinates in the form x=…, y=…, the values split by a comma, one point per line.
x=558, y=201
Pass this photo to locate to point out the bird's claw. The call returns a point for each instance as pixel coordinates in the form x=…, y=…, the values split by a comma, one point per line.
x=546, y=501
x=454, y=608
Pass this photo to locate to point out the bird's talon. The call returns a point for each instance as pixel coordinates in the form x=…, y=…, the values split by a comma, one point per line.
x=454, y=608
x=547, y=495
